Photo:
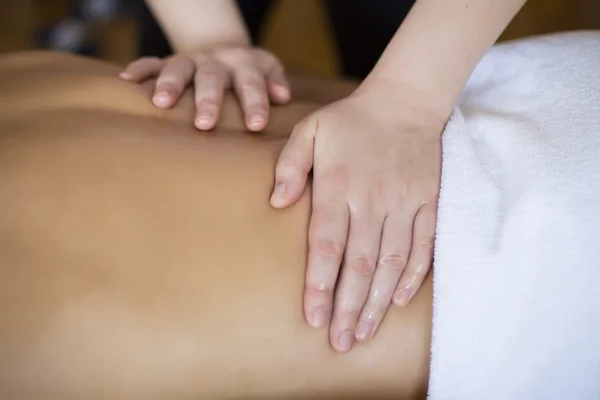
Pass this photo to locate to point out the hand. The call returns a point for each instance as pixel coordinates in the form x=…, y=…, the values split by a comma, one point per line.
x=376, y=161
x=256, y=76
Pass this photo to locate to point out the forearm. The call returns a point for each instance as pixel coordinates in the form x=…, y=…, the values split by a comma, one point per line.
x=439, y=44
x=197, y=24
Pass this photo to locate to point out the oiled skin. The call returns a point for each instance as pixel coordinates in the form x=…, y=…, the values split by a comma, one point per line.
x=140, y=259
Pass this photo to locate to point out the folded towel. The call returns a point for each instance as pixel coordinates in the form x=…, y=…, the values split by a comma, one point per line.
x=517, y=258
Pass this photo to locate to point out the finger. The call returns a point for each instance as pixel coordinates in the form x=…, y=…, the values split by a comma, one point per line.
x=294, y=164
x=327, y=236
x=250, y=87
x=278, y=86
x=395, y=246
x=171, y=82
x=277, y=83
x=142, y=69
x=210, y=84
x=360, y=258
x=421, y=254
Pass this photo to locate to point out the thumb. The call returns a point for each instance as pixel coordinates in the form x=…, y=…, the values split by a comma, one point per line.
x=294, y=164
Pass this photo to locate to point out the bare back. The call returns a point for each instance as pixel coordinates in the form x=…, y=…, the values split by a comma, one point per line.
x=139, y=257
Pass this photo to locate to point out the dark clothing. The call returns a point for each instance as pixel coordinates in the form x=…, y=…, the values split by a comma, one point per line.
x=362, y=29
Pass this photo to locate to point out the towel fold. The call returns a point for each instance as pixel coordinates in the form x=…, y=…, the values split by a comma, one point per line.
x=517, y=258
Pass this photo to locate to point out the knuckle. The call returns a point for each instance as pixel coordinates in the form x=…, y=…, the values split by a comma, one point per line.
x=241, y=53
x=208, y=89
x=348, y=309
x=170, y=80
x=211, y=70
x=251, y=84
x=362, y=265
x=205, y=91
x=211, y=73
x=328, y=248
x=207, y=103
x=237, y=55
x=395, y=262
x=322, y=291
x=428, y=242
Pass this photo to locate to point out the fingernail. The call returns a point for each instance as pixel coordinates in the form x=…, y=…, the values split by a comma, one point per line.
x=125, y=75
x=402, y=297
x=204, y=120
x=345, y=341
x=278, y=192
x=365, y=329
x=205, y=115
x=317, y=318
x=162, y=98
x=282, y=91
x=256, y=120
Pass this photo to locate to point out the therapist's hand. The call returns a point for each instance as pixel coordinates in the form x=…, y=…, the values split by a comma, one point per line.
x=376, y=160
x=256, y=76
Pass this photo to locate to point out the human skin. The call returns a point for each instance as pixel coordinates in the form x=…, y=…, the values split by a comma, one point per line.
x=375, y=155
x=213, y=50
x=375, y=158
x=136, y=250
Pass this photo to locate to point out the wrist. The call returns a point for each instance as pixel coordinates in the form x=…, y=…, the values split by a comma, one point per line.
x=401, y=102
x=207, y=47
x=437, y=47
x=193, y=25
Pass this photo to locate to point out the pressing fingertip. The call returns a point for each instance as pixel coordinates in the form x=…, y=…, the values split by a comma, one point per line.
x=278, y=196
x=205, y=120
x=204, y=125
x=256, y=122
x=345, y=341
x=281, y=92
x=365, y=330
x=125, y=75
x=402, y=297
x=162, y=99
x=317, y=318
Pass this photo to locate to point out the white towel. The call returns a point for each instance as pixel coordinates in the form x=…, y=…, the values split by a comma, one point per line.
x=517, y=258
